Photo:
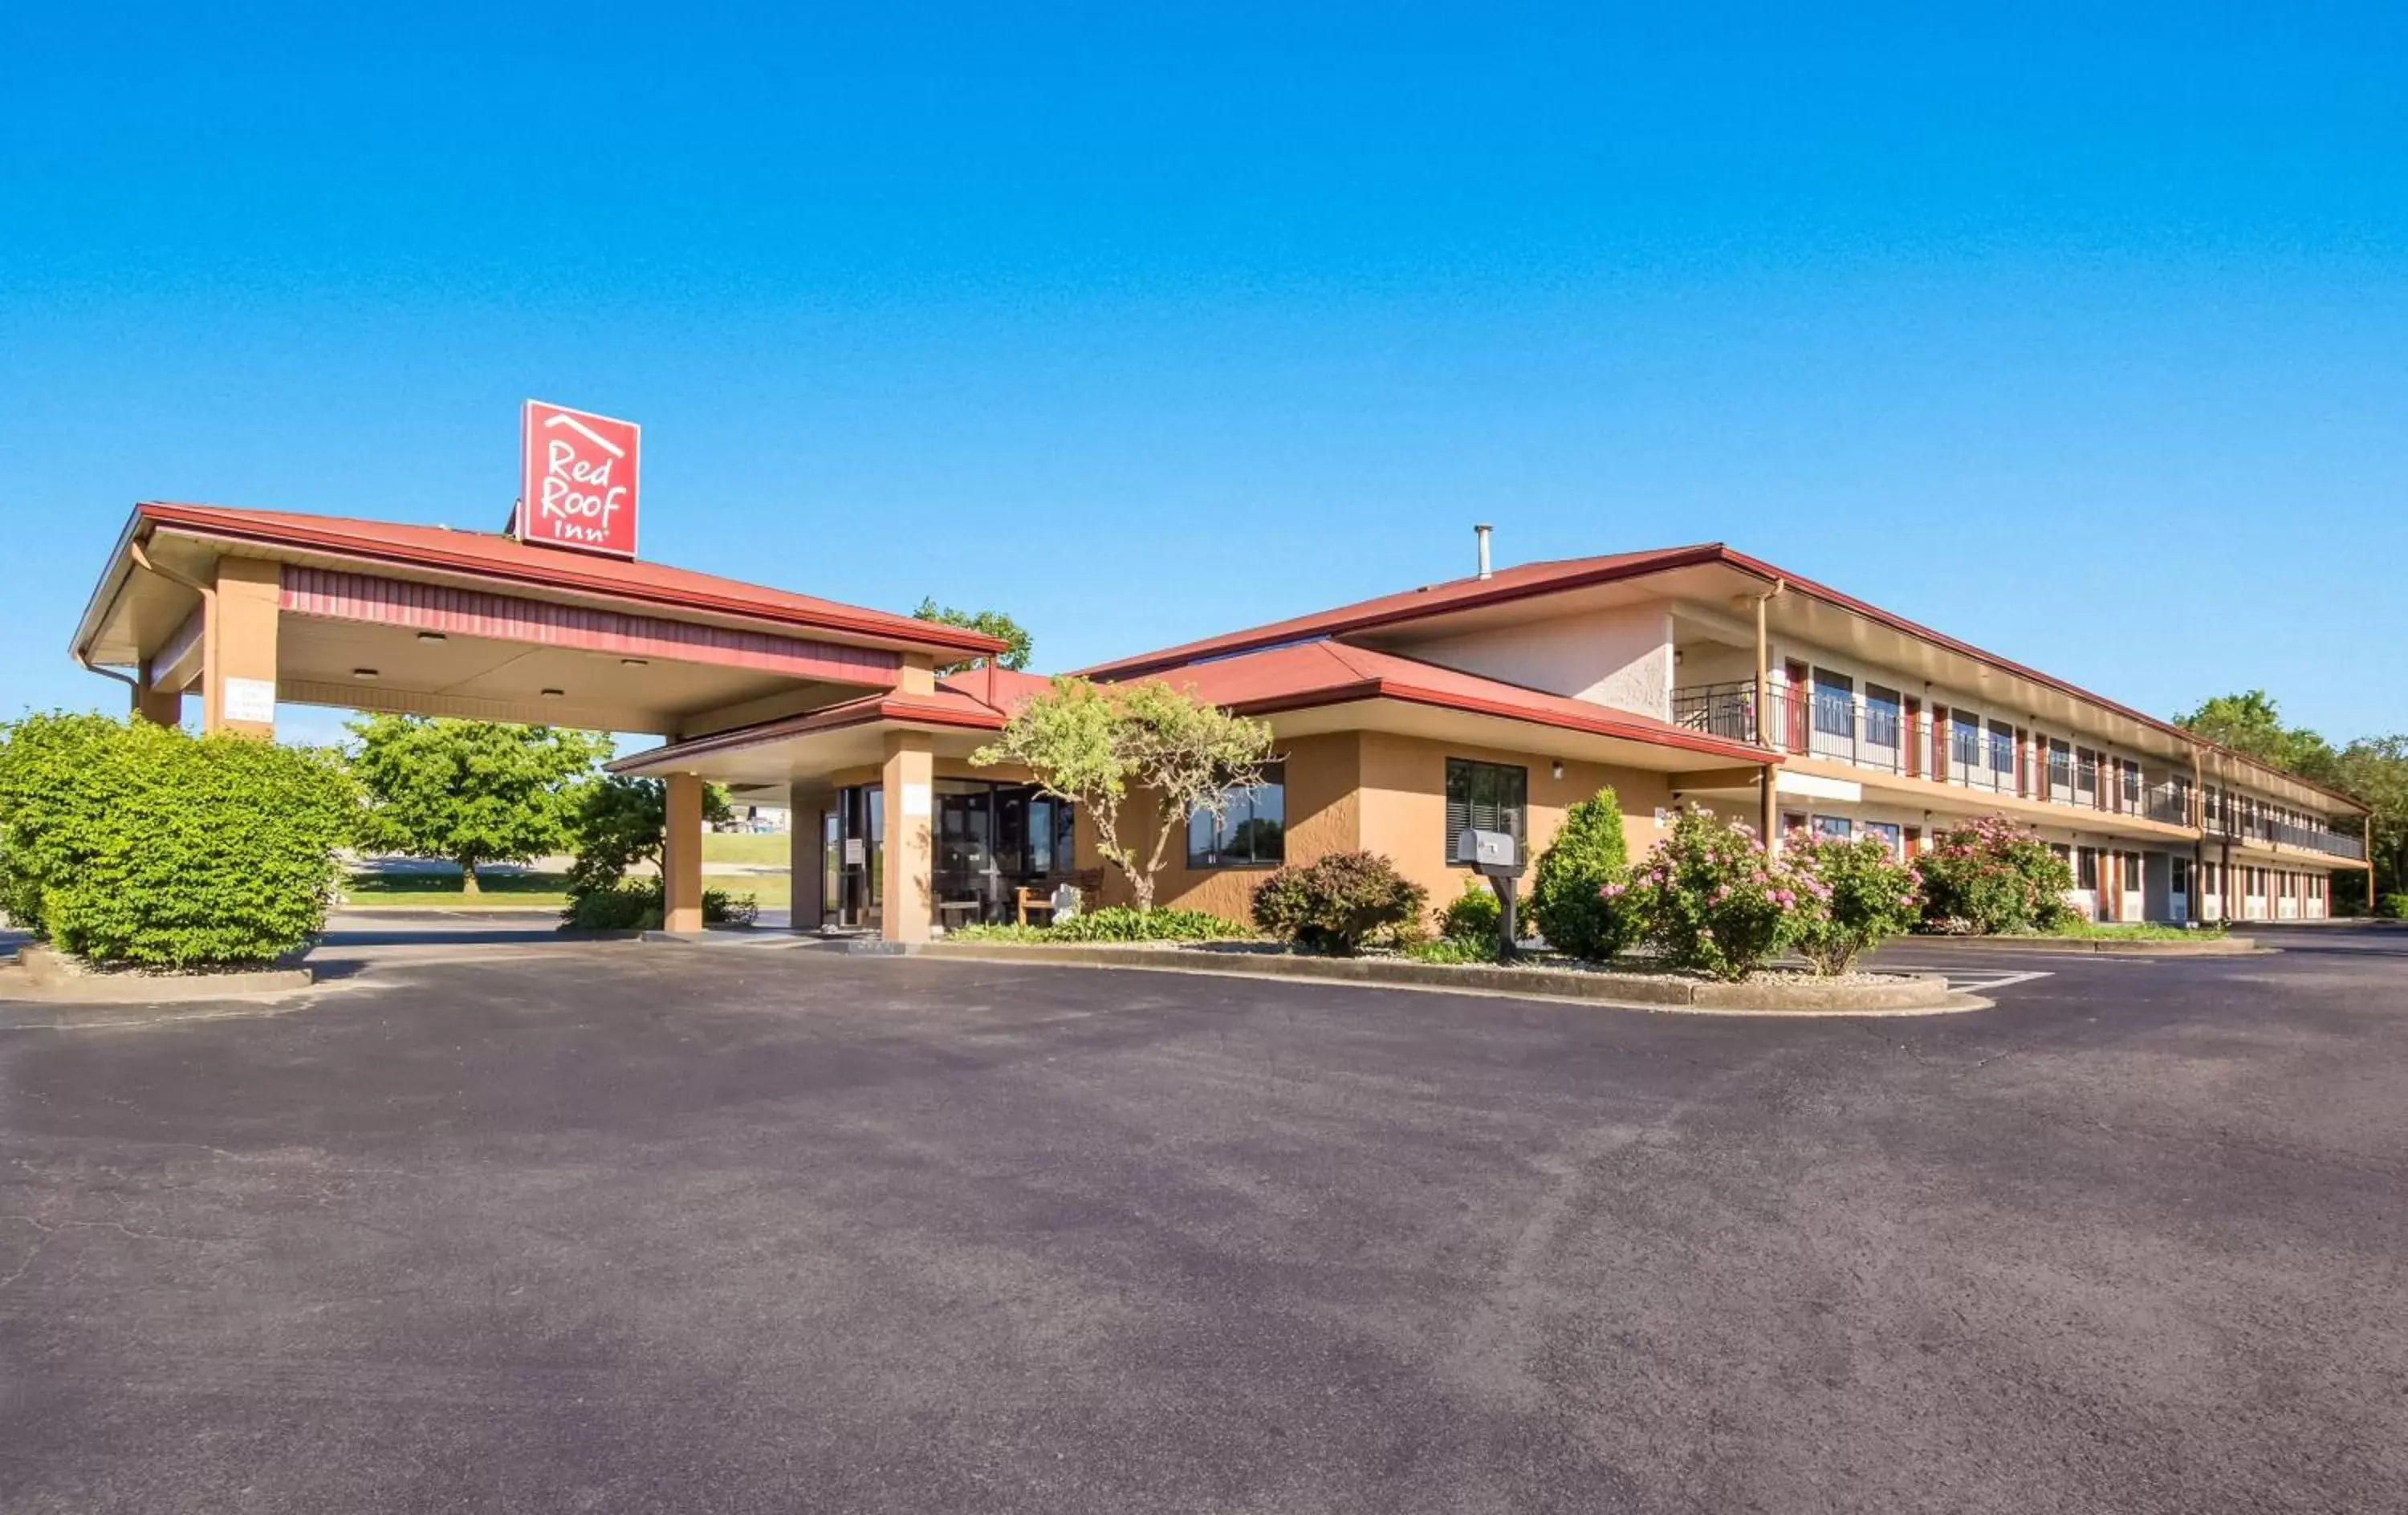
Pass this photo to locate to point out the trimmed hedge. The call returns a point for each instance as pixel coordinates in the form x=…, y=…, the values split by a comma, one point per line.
x=127, y=842
x=636, y=905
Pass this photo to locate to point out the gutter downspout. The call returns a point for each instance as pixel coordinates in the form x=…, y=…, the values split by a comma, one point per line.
x=210, y=714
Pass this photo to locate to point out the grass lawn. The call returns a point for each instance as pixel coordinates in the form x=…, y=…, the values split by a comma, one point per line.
x=2136, y=930
x=767, y=850
x=369, y=891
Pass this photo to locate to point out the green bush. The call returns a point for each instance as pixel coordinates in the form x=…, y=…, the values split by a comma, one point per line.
x=1708, y=900
x=1568, y=897
x=636, y=905
x=1122, y=923
x=2395, y=907
x=1476, y=915
x=131, y=843
x=1340, y=903
x=1452, y=950
x=1851, y=896
x=1113, y=924
x=1991, y=876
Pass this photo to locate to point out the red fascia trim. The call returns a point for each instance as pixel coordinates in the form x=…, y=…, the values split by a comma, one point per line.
x=1388, y=689
x=367, y=599
x=950, y=638
x=1316, y=628
x=862, y=712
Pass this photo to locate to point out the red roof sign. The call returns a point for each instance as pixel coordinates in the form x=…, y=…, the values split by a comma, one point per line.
x=577, y=480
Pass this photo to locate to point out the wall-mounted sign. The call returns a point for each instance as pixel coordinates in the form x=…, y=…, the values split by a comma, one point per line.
x=250, y=699
x=577, y=480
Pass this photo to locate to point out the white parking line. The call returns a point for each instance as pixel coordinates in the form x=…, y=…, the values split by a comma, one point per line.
x=1961, y=983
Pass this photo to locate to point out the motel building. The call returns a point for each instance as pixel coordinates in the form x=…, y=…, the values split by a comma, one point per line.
x=1683, y=675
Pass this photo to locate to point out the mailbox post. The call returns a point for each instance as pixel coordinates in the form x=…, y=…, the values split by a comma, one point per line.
x=1496, y=857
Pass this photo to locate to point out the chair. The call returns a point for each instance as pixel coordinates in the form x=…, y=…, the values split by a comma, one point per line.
x=1026, y=899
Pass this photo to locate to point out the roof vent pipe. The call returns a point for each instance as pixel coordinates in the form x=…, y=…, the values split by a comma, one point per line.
x=1481, y=532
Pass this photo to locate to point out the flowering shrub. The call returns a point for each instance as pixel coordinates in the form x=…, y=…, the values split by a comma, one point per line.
x=1340, y=903
x=1707, y=898
x=1852, y=896
x=1991, y=876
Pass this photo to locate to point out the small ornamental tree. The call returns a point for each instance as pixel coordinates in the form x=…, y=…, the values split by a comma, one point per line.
x=1708, y=899
x=1852, y=896
x=1991, y=877
x=470, y=792
x=1567, y=896
x=132, y=843
x=1093, y=744
x=1338, y=904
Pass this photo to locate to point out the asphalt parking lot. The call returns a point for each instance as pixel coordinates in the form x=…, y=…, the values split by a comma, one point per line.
x=495, y=1225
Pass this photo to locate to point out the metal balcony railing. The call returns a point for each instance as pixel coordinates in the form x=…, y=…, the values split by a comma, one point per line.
x=2237, y=821
x=1724, y=710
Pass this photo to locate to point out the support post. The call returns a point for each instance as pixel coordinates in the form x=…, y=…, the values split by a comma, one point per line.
x=160, y=707
x=681, y=855
x=805, y=856
x=909, y=778
x=1763, y=678
x=1768, y=812
x=238, y=656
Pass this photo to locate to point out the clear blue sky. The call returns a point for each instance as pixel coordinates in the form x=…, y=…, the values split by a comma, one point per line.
x=2082, y=334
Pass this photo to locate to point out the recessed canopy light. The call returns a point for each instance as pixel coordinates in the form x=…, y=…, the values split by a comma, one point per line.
x=551, y=693
x=634, y=663
x=432, y=636
x=364, y=673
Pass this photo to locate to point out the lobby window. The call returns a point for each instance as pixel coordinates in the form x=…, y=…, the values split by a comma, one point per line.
x=1250, y=832
x=1485, y=797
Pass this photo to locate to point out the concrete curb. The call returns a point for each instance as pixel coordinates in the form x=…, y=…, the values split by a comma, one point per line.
x=2212, y=947
x=1916, y=993
x=51, y=975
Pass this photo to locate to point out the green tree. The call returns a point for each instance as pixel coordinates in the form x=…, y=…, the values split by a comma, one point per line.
x=471, y=792
x=1567, y=896
x=2374, y=771
x=2252, y=725
x=619, y=822
x=1091, y=745
x=1018, y=647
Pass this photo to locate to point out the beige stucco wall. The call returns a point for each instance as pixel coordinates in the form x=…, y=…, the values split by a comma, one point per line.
x=1404, y=804
x=1387, y=793
x=1324, y=805
x=1621, y=658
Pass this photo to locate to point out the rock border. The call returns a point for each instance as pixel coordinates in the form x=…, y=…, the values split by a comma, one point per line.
x=52, y=975
x=1904, y=992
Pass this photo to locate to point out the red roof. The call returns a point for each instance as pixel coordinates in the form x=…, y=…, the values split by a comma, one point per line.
x=1302, y=676
x=494, y=556
x=1504, y=585
x=1531, y=581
